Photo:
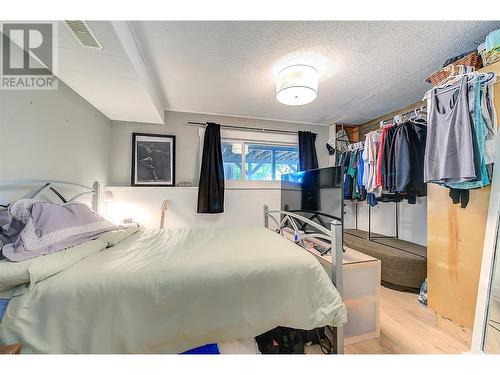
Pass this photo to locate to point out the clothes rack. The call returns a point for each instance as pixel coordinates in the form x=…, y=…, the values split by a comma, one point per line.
x=400, y=118
x=370, y=236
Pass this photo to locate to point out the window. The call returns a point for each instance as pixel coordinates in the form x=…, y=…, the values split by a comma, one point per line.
x=232, y=158
x=258, y=161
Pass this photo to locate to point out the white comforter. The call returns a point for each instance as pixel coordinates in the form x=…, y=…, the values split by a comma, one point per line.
x=166, y=291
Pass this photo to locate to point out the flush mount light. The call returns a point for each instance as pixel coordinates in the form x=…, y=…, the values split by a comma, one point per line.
x=297, y=85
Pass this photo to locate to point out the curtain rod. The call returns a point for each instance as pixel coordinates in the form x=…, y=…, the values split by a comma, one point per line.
x=263, y=130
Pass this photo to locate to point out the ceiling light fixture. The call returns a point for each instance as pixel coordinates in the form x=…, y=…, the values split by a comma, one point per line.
x=297, y=85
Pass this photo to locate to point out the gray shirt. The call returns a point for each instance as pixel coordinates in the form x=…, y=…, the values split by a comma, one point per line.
x=449, y=154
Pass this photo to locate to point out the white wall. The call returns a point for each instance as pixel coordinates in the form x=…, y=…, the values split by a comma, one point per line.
x=142, y=204
x=412, y=219
x=187, y=142
x=52, y=134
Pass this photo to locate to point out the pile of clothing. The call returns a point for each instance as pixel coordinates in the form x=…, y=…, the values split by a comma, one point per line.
x=461, y=143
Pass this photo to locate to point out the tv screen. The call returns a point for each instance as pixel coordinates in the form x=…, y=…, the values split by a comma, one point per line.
x=316, y=194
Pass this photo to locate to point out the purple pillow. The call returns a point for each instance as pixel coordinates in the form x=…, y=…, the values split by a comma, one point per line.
x=51, y=227
x=10, y=225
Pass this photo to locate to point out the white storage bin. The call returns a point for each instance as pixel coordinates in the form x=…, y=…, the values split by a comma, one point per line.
x=362, y=321
x=361, y=293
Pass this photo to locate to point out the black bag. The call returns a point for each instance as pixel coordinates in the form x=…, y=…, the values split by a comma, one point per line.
x=281, y=340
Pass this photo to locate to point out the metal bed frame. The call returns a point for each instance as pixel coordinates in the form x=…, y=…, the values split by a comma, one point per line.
x=51, y=185
x=296, y=221
x=333, y=235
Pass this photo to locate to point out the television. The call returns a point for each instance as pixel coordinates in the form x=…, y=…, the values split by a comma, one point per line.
x=317, y=194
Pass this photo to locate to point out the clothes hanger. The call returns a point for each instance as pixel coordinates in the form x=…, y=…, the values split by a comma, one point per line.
x=485, y=78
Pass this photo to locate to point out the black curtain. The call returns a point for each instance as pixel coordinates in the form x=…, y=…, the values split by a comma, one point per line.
x=310, y=183
x=211, y=187
x=307, y=151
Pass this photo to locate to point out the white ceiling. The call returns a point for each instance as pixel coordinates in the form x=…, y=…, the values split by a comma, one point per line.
x=106, y=78
x=367, y=68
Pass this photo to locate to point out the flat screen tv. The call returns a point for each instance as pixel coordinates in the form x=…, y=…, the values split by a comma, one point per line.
x=316, y=194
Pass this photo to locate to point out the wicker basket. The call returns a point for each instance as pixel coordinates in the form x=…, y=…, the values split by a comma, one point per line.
x=473, y=59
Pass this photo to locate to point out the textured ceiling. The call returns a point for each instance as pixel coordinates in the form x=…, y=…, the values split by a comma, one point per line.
x=367, y=68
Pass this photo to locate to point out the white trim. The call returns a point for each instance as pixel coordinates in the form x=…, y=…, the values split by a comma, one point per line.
x=252, y=136
x=247, y=117
x=487, y=266
x=251, y=185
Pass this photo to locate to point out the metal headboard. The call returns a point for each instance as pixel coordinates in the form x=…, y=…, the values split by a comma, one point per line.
x=45, y=185
x=333, y=235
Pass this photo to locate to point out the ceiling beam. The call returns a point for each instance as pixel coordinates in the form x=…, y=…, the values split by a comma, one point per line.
x=131, y=47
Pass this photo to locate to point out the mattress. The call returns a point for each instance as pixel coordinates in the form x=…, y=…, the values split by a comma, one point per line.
x=167, y=291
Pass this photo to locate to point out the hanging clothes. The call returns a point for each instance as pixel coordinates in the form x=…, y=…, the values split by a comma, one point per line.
x=460, y=146
x=380, y=155
x=361, y=171
x=490, y=120
x=352, y=162
x=372, y=145
x=388, y=162
x=409, y=163
x=479, y=131
x=449, y=154
x=347, y=176
x=394, y=162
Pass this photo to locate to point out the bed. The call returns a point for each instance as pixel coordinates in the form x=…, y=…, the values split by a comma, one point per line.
x=167, y=291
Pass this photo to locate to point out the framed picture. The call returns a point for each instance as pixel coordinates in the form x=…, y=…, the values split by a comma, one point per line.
x=153, y=159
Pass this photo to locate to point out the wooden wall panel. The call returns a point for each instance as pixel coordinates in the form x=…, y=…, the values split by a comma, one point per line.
x=454, y=250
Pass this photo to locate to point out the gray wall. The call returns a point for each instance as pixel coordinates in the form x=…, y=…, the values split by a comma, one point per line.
x=52, y=134
x=187, y=142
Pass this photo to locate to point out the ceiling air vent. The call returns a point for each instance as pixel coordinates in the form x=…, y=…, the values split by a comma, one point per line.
x=83, y=34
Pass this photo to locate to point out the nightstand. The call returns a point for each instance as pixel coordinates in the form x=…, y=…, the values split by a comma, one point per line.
x=11, y=349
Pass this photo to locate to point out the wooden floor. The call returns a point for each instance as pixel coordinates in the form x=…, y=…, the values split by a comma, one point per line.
x=406, y=327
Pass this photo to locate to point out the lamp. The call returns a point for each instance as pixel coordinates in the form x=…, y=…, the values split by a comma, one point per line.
x=297, y=85
x=108, y=196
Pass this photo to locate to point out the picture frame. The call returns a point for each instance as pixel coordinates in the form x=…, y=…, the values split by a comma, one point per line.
x=153, y=159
